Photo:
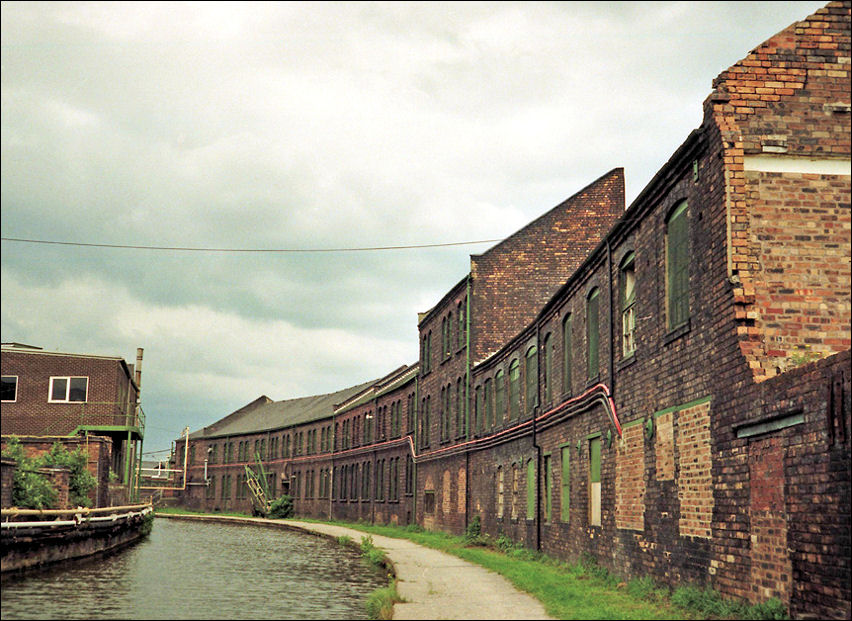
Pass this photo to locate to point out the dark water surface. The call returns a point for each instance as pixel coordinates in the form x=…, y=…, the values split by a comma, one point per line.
x=196, y=570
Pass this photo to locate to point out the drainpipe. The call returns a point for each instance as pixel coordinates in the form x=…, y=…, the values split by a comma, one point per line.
x=611, y=321
x=467, y=312
x=414, y=449
x=536, y=446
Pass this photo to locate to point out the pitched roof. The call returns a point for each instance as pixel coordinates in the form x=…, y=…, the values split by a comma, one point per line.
x=263, y=414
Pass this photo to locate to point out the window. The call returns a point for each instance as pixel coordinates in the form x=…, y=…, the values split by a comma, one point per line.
x=567, y=359
x=565, y=482
x=500, y=492
x=444, y=415
x=429, y=501
x=489, y=406
x=445, y=339
x=65, y=389
x=409, y=475
x=530, y=489
x=477, y=410
x=394, y=479
x=595, y=481
x=459, y=408
x=531, y=379
x=427, y=353
x=448, y=345
x=500, y=397
x=514, y=389
x=547, y=378
x=592, y=333
x=9, y=390
x=448, y=394
x=627, y=293
x=365, y=481
x=516, y=474
x=462, y=327
x=547, y=487
x=677, y=267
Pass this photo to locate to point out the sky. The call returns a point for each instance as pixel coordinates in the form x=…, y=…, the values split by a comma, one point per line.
x=322, y=130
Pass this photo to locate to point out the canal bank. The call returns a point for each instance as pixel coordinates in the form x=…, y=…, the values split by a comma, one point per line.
x=435, y=585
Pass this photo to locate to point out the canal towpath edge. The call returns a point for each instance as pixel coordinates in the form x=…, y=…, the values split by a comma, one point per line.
x=434, y=584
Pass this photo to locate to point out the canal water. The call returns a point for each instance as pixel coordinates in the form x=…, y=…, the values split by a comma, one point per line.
x=198, y=570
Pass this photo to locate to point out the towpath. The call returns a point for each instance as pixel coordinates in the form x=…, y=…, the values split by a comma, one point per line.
x=435, y=585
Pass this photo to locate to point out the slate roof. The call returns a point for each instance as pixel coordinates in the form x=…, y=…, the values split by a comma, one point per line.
x=264, y=414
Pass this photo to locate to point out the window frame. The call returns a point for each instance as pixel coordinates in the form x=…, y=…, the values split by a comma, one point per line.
x=677, y=266
x=5, y=380
x=567, y=353
x=67, y=398
x=593, y=337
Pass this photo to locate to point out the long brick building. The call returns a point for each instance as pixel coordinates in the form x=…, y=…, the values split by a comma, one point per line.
x=665, y=388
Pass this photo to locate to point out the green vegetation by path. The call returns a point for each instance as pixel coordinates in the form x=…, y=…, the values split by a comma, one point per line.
x=581, y=590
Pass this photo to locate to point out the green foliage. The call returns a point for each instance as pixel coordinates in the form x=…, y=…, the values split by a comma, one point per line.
x=380, y=602
x=473, y=533
x=371, y=552
x=709, y=603
x=81, y=481
x=281, y=507
x=32, y=490
x=344, y=540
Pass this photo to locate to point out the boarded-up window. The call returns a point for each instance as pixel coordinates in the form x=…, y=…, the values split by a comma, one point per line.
x=595, y=481
x=592, y=333
x=514, y=389
x=677, y=267
x=566, y=354
x=530, y=489
x=500, y=498
x=565, y=482
x=546, y=483
x=630, y=478
x=531, y=379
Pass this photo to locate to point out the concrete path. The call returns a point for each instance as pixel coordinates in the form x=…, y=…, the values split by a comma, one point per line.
x=435, y=585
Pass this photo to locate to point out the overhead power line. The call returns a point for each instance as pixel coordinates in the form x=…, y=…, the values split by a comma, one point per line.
x=280, y=250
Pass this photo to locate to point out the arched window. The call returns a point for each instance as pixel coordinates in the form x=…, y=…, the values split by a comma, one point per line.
x=593, y=333
x=489, y=406
x=462, y=308
x=677, y=267
x=514, y=389
x=500, y=499
x=547, y=377
x=567, y=358
x=531, y=379
x=627, y=299
x=500, y=397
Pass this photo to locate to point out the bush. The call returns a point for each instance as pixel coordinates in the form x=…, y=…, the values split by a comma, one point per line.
x=473, y=533
x=81, y=481
x=281, y=507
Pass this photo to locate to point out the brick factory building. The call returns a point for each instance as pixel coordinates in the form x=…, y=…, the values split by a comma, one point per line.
x=665, y=388
x=83, y=401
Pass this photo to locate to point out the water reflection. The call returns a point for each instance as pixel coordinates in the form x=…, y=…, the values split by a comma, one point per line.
x=193, y=570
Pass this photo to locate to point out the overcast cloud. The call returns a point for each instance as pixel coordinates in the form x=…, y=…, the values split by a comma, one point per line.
x=312, y=126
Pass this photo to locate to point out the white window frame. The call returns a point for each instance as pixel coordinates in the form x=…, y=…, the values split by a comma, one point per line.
x=16, y=388
x=68, y=379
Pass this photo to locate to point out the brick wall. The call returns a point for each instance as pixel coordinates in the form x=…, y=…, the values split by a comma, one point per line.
x=514, y=279
x=784, y=107
x=630, y=479
x=107, y=399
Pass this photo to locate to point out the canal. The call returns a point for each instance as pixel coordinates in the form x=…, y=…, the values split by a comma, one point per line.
x=203, y=570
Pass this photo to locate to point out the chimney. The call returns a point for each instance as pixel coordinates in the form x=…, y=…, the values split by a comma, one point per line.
x=138, y=368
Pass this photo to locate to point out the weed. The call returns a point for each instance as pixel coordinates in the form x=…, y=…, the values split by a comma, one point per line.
x=380, y=602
